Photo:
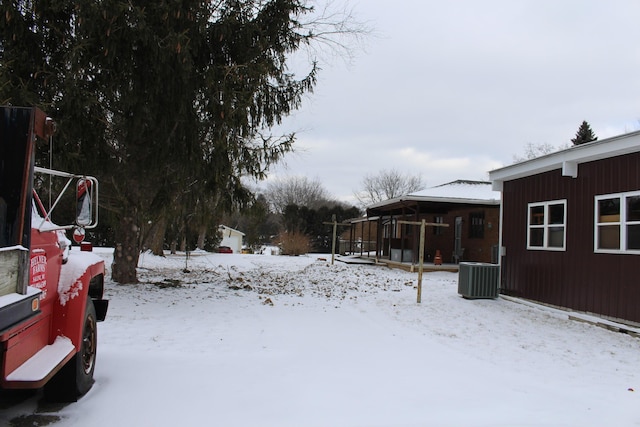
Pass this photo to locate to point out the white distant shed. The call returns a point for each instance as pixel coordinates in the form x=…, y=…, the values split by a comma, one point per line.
x=232, y=238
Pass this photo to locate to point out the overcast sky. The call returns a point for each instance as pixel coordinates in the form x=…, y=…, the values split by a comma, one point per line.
x=453, y=89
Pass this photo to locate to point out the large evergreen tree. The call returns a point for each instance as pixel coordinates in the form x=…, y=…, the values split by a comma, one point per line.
x=169, y=103
x=584, y=134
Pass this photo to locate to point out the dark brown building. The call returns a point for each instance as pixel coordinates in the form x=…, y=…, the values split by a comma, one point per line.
x=571, y=228
x=469, y=209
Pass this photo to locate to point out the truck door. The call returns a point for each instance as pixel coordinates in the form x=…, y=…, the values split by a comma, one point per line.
x=16, y=172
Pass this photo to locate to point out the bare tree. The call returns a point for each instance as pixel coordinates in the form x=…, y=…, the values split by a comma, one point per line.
x=335, y=30
x=531, y=151
x=386, y=185
x=296, y=190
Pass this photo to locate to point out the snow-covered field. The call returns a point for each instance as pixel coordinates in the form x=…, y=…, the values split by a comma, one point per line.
x=255, y=340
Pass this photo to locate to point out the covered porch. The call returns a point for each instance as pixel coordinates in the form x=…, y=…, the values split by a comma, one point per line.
x=463, y=225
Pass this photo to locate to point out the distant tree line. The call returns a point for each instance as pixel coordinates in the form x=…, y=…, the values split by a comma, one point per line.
x=292, y=209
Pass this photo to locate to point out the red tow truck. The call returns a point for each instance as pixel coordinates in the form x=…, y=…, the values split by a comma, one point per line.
x=51, y=295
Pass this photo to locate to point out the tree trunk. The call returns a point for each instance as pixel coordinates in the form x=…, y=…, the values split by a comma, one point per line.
x=125, y=256
x=178, y=240
x=202, y=234
x=155, y=239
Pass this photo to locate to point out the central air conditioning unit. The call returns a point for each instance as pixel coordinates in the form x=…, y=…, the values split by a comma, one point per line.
x=478, y=280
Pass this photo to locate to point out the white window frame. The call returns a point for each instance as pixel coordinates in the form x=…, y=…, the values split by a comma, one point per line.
x=622, y=223
x=546, y=226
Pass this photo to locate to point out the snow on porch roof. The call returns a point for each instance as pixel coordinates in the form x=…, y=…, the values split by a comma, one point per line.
x=459, y=191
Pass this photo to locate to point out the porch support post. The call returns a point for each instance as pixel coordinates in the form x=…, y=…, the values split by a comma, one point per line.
x=423, y=225
x=402, y=246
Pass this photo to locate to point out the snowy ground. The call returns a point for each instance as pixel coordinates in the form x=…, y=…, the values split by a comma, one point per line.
x=255, y=340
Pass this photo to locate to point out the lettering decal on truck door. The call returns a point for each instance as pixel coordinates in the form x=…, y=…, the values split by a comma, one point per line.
x=39, y=271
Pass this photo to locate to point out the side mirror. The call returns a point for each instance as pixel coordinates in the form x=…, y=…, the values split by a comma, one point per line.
x=84, y=202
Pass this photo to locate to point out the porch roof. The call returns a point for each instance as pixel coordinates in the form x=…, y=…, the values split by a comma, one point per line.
x=441, y=198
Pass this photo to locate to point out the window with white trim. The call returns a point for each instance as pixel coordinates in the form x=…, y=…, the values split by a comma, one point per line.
x=547, y=225
x=617, y=223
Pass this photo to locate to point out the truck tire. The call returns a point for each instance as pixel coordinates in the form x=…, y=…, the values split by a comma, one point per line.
x=76, y=377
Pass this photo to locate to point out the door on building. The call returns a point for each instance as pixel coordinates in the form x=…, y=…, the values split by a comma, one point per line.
x=458, y=250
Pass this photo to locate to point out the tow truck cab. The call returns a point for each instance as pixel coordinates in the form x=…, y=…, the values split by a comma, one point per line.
x=51, y=295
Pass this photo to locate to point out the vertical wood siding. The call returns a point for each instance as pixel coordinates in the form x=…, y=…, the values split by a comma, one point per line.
x=578, y=278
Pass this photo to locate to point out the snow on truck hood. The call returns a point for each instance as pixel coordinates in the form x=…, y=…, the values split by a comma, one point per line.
x=70, y=285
